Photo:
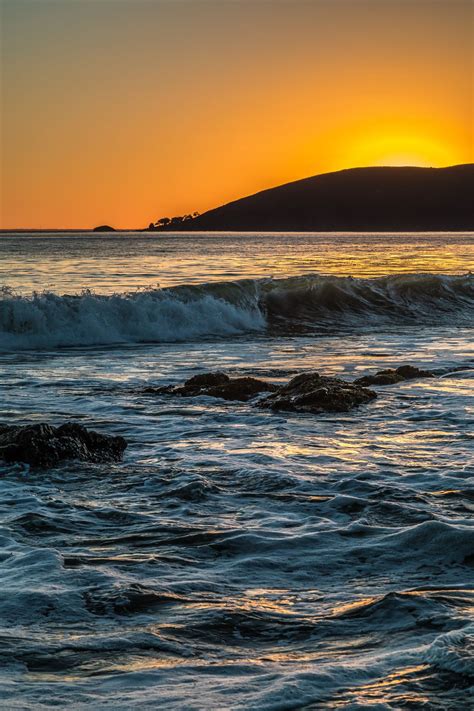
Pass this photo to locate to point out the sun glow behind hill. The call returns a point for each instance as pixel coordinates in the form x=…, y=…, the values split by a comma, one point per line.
x=394, y=147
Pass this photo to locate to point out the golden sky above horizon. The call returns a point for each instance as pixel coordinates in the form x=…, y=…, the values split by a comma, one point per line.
x=122, y=111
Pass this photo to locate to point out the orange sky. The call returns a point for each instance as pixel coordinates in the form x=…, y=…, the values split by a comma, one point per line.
x=122, y=111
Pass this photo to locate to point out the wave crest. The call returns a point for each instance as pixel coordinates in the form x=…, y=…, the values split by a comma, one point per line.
x=222, y=309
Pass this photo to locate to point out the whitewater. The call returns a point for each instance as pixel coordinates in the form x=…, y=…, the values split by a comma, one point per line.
x=239, y=558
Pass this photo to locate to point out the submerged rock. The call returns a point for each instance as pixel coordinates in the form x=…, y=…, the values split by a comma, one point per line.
x=44, y=445
x=390, y=376
x=311, y=392
x=217, y=385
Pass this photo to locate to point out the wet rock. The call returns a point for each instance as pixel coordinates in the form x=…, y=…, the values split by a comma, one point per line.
x=217, y=385
x=383, y=377
x=242, y=389
x=308, y=392
x=43, y=445
x=411, y=372
x=391, y=376
x=311, y=392
x=206, y=380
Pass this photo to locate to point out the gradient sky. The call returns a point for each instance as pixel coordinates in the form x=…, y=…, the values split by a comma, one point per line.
x=122, y=111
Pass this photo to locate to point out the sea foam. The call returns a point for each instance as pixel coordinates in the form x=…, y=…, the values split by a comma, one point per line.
x=222, y=309
x=49, y=321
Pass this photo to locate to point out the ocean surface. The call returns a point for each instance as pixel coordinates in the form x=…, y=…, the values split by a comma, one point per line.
x=239, y=559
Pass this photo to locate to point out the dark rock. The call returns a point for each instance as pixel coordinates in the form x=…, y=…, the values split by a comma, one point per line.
x=43, y=445
x=217, y=385
x=410, y=372
x=392, y=376
x=242, y=389
x=383, y=377
x=103, y=228
x=308, y=392
x=311, y=392
x=206, y=380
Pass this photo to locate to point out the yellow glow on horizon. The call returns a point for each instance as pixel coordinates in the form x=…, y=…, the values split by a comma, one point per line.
x=401, y=148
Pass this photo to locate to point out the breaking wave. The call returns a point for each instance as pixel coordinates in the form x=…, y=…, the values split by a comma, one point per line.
x=454, y=651
x=223, y=309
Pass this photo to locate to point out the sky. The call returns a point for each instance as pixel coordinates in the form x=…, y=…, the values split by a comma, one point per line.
x=124, y=111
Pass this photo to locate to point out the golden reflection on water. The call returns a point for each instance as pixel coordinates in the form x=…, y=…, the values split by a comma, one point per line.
x=463, y=598
x=444, y=492
x=341, y=449
x=255, y=599
x=368, y=693
x=68, y=264
x=352, y=606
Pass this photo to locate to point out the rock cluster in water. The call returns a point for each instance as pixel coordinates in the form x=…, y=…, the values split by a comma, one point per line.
x=43, y=445
x=392, y=376
x=217, y=385
x=308, y=392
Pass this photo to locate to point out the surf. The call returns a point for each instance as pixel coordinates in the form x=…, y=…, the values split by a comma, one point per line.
x=45, y=320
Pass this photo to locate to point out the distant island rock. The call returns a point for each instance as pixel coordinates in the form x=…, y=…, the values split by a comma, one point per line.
x=358, y=199
x=103, y=228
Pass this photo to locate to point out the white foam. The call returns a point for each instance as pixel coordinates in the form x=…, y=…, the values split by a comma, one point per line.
x=50, y=321
x=47, y=320
x=453, y=651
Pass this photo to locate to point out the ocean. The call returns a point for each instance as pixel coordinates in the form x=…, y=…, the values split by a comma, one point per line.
x=239, y=558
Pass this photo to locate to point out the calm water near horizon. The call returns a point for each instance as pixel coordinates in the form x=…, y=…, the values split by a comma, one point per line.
x=68, y=263
x=238, y=558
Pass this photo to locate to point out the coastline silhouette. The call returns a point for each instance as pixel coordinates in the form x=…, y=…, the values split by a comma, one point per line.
x=385, y=198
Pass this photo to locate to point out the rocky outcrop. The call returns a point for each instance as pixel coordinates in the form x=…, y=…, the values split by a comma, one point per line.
x=308, y=392
x=43, y=445
x=314, y=393
x=392, y=376
x=217, y=385
x=103, y=228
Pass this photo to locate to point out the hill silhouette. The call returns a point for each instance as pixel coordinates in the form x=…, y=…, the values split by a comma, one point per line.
x=385, y=199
